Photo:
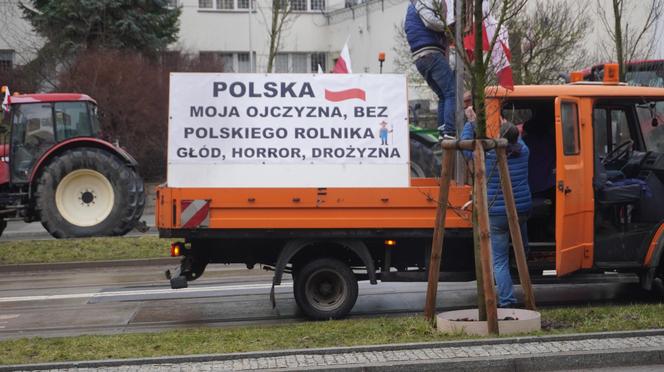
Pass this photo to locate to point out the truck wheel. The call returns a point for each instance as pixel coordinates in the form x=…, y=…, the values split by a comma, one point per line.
x=325, y=288
x=88, y=192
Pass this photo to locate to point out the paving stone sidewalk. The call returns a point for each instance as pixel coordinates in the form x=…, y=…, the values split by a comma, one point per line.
x=409, y=356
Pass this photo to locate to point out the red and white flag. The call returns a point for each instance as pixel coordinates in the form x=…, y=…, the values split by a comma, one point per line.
x=501, y=56
x=6, y=102
x=343, y=63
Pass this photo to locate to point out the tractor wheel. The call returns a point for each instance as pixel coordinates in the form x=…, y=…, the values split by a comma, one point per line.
x=325, y=288
x=424, y=162
x=88, y=192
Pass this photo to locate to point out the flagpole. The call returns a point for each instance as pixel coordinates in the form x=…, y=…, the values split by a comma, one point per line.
x=460, y=170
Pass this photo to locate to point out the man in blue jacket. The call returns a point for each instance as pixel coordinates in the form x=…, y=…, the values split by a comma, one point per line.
x=517, y=162
x=425, y=30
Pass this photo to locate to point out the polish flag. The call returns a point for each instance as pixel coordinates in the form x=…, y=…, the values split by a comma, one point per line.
x=343, y=63
x=501, y=54
x=7, y=100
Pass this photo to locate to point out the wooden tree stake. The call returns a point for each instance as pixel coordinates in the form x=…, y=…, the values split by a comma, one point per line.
x=438, y=235
x=481, y=306
x=515, y=229
x=482, y=229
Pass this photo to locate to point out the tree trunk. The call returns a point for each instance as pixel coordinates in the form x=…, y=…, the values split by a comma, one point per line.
x=479, y=73
x=617, y=16
x=515, y=37
x=274, y=34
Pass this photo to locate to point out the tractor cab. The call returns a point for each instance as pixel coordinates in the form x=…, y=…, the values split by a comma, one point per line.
x=56, y=169
x=39, y=121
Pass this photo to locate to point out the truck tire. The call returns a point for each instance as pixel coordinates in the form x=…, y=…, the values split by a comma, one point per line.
x=325, y=288
x=88, y=192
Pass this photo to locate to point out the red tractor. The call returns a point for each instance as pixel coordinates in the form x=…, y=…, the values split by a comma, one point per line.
x=55, y=168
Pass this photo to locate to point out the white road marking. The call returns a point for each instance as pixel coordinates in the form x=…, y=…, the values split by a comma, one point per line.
x=140, y=292
x=4, y=319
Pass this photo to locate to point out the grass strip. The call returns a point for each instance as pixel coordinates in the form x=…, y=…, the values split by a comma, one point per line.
x=88, y=249
x=349, y=332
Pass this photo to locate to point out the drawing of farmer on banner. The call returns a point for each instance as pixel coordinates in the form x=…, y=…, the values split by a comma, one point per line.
x=383, y=132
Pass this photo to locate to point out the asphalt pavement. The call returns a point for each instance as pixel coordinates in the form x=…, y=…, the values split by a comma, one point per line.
x=114, y=299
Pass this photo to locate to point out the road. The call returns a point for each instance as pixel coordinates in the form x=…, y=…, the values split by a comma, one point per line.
x=19, y=230
x=131, y=299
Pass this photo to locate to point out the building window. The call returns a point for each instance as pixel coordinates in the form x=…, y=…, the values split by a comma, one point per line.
x=225, y=4
x=230, y=61
x=226, y=60
x=299, y=5
x=299, y=62
x=172, y=3
x=318, y=59
x=317, y=4
x=281, y=63
x=243, y=62
x=6, y=60
x=296, y=5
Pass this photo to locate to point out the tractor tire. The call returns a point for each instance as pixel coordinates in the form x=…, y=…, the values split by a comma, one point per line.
x=325, y=288
x=88, y=192
x=424, y=162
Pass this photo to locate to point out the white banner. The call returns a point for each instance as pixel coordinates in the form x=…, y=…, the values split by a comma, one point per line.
x=288, y=130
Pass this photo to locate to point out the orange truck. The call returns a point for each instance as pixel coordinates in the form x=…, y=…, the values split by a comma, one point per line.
x=597, y=176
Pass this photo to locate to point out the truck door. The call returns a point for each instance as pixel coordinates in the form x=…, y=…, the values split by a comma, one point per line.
x=571, y=218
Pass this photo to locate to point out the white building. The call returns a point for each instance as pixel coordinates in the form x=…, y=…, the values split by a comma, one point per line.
x=314, y=34
x=18, y=43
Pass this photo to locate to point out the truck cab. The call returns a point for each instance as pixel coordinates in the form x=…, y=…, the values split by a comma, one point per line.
x=596, y=172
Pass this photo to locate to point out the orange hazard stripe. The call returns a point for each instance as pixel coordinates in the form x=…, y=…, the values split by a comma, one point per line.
x=653, y=245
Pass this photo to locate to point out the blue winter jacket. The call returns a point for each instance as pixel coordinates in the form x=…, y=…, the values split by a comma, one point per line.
x=518, y=166
x=418, y=35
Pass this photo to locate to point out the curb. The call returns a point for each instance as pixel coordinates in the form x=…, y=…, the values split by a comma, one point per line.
x=590, y=359
x=89, y=264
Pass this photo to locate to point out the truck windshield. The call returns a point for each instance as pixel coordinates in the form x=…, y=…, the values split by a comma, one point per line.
x=651, y=118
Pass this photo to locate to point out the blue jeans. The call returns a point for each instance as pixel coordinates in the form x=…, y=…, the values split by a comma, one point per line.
x=435, y=69
x=500, y=237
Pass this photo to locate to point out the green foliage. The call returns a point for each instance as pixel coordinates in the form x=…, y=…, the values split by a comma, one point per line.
x=89, y=249
x=70, y=26
x=349, y=332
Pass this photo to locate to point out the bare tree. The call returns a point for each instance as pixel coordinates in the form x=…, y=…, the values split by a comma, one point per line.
x=281, y=16
x=478, y=66
x=631, y=34
x=548, y=41
x=403, y=59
